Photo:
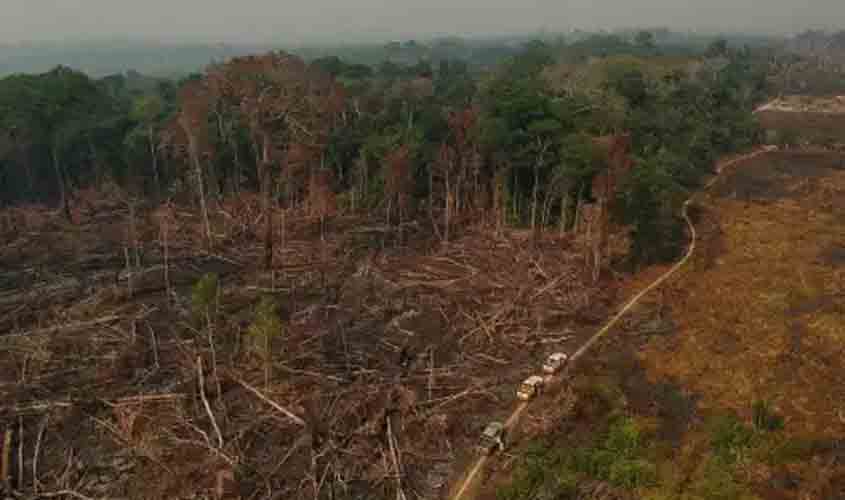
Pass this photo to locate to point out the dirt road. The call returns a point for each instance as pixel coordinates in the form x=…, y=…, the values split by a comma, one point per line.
x=461, y=491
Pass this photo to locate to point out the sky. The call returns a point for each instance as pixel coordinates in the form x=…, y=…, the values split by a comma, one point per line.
x=293, y=21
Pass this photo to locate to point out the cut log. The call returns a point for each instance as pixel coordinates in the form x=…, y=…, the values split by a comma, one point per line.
x=64, y=328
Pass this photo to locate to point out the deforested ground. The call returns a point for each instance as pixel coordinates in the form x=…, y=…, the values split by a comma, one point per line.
x=125, y=373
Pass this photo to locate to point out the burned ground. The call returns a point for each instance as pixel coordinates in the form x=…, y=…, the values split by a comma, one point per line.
x=392, y=352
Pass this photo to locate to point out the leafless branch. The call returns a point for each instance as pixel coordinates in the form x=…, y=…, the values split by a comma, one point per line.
x=284, y=411
x=206, y=405
x=63, y=328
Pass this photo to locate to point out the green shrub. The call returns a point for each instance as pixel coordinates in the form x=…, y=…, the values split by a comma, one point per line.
x=632, y=473
x=624, y=438
x=266, y=325
x=619, y=458
x=203, y=294
x=541, y=476
x=716, y=483
x=730, y=438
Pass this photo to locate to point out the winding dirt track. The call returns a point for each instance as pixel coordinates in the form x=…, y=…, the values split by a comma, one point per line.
x=513, y=419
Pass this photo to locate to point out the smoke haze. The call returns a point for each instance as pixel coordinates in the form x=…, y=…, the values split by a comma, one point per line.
x=335, y=20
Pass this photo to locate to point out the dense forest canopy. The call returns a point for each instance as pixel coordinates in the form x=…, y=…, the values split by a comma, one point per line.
x=440, y=140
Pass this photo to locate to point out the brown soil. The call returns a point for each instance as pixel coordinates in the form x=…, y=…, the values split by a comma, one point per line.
x=814, y=127
x=765, y=319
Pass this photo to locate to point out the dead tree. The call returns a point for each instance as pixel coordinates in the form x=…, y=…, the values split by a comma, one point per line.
x=322, y=199
x=193, y=121
x=280, y=101
x=397, y=182
x=613, y=153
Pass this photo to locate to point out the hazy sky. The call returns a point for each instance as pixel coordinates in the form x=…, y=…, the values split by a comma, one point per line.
x=293, y=20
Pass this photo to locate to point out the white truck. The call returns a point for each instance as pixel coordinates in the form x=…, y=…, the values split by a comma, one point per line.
x=491, y=439
x=555, y=362
x=530, y=388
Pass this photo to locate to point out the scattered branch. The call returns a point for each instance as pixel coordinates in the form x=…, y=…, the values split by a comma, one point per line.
x=284, y=411
x=206, y=405
x=63, y=328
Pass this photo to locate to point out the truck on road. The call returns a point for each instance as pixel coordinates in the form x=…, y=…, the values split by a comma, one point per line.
x=555, y=362
x=530, y=388
x=492, y=439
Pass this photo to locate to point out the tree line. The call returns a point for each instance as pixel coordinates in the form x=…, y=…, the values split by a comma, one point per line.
x=439, y=143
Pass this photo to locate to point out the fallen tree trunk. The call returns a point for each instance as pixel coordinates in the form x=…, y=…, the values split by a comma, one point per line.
x=63, y=328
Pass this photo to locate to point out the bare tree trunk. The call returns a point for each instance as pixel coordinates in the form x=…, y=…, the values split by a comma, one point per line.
x=400, y=205
x=577, y=221
x=165, y=230
x=602, y=240
x=156, y=177
x=20, y=452
x=596, y=261
x=536, y=191
x=365, y=180
x=266, y=187
x=268, y=217
x=431, y=193
x=534, y=194
x=133, y=233
x=498, y=195
x=129, y=271
x=201, y=186
x=447, y=214
x=547, y=209
x=236, y=187
x=6, y=461
x=57, y=166
x=564, y=213
x=213, y=347
x=267, y=361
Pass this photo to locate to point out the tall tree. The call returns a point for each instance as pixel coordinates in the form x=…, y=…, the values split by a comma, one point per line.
x=195, y=100
x=280, y=101
x=55, y=109
x=148, y=111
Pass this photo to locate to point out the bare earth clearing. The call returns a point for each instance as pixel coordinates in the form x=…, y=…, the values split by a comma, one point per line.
x=393, y=356
x=387, y=352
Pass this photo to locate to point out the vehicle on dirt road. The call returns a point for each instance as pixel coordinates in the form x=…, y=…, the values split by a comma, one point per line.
x=530, y=388
x=555, y=362
x=492, y=439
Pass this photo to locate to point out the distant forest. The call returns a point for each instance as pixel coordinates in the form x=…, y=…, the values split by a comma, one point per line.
x=516, y=132
x=173, y=60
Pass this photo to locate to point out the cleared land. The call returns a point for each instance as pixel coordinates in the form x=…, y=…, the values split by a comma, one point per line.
x=730, y=385
x=815, y=120
x=390, y=351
